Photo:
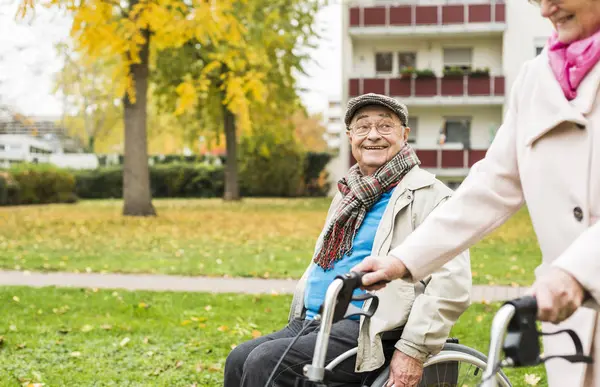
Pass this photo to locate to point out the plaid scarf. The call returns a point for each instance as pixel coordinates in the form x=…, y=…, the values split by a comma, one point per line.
x=360, y=194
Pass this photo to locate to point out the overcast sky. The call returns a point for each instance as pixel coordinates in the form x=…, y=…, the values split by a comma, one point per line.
x=28, y=60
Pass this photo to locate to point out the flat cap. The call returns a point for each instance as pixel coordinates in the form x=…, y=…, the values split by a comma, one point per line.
x=375, y=99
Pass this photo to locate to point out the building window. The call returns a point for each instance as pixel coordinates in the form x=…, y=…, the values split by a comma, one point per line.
x=2, y=147
x=406, y=59
x=538, y=50
x=458, y=57
x=413, y=124
x=383, y=62
x=457, y=130
x=334, y=104
x=334, y=120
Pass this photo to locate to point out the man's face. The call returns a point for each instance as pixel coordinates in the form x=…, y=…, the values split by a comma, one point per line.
x=376, y=135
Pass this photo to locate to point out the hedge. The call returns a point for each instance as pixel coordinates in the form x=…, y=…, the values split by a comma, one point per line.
x=280, y=171
x=36, y=184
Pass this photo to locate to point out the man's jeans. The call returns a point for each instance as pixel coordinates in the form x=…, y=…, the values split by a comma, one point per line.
x=251, y=363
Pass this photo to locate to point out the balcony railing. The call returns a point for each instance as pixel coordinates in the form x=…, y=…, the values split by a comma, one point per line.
x=449, y=158
x=463, y=86
x=422, y=15
x=456, y=159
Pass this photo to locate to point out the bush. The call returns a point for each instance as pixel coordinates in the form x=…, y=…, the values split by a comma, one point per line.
x=102, y=183
x=266, y=168
x=316, y=178
x=41, y=184
x=9, y=190
x=269, y=167
x=170, y=180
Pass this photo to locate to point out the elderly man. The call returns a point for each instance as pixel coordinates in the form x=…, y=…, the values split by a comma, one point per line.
x=380, y=202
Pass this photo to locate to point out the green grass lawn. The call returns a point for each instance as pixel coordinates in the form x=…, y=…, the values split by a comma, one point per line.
x=271, y=238
x=71, y=337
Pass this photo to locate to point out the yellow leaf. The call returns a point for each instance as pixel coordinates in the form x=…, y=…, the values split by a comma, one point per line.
x=124, y=342
x=186, y=322
x=16, y=299
x=532, y=379
x=75, y=354
x=86, y=328
x=256, y=334
x=223, y=328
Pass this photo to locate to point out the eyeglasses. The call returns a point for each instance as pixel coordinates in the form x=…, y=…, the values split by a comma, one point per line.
x=363, y=128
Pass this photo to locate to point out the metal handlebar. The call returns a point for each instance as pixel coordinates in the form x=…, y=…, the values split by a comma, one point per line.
x=336, y=307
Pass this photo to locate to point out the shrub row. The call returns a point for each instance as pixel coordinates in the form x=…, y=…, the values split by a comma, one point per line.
x=281, y=171
x=36, y=184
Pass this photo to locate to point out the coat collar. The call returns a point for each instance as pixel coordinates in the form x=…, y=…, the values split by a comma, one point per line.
x=545, y=106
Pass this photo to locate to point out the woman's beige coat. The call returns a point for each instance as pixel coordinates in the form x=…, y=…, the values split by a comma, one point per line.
x=546, y=155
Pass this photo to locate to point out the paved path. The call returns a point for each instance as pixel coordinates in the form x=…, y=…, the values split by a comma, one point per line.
x=196, y=284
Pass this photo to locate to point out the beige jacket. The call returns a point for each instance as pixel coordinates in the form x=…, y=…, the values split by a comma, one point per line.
x=547, y=155
x=427, y=313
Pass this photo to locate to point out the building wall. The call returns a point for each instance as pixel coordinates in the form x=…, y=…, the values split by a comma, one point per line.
x=484, y=122
x=526, y=29
x=486, y=52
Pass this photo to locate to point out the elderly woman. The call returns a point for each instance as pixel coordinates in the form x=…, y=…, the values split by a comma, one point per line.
x=380, y=201
x=545, y=155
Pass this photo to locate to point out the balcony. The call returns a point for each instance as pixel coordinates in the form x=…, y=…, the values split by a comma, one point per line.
x=446, y=162
x=483, y=19
x=468, y=89
x=449, y=162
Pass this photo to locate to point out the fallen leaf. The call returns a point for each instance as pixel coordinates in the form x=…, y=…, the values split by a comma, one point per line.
x=87, y=328
x=215, y=367
x=479, y=318
x=106, y=327
x=75, y=354
x=199, y=367
x=223, y=328
x=207, y=308
x=21, y=346
x=256, y=334
x=146, y=340
x=232, y=346
x=178, y=364
x=143, y=305
x=13, y=328
x=186, y=322
x=16, y=299
x=532, y=379
x=124, y=341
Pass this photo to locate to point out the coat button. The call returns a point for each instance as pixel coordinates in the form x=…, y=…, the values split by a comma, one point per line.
x=578, y=213
x=580, y=126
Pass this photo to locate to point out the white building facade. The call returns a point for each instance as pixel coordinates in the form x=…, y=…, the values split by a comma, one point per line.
x=333, y=121
x=451, y=62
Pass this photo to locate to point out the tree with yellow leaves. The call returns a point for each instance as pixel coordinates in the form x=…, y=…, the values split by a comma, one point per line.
x=132, y=30
x=233, y=85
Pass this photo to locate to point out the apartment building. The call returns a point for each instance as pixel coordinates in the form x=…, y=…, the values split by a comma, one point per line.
x=451, y=62
x=333, y=122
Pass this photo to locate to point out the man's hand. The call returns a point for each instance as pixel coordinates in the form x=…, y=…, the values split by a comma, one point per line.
x=380, y=269
x=405, y=371
x=558, y=295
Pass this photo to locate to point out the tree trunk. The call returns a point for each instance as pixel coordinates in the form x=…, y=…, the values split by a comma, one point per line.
x=136, y=174
x=232, y=190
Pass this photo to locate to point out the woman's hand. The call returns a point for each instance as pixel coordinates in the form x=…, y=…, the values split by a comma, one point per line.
x=380, y=270
x=558, y=295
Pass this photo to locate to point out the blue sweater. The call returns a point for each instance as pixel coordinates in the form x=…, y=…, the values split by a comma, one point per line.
x=318, y=279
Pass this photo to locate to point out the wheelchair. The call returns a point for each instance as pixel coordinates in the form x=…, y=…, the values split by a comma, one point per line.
x=456, y=365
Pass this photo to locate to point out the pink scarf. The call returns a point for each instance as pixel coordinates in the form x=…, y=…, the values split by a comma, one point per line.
x=570, y=62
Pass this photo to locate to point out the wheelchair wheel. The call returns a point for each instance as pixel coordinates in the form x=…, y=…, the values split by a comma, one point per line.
x=455, y=366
